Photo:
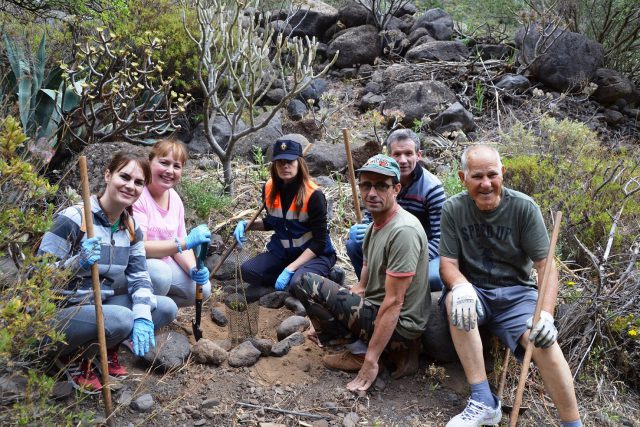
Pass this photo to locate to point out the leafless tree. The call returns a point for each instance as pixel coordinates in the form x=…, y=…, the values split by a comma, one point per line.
x=241, y=56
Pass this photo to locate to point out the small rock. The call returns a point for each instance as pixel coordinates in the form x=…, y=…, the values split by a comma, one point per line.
x=320, y=423
x=330, y=406
x=171, y=351
x=143, y=403
x=613, y=117
x=281, y=348
x=296, y=110
x=208, y=352
x=292, y=325
x=350, y=420
x=200, y=422
x=244, y=355
x=370, y=100
x=380, y=384
x=295, y=305
x=125, y=397
x=218, y=317
x=264, y=345
x=62, y=390
x=296, y=339
x=224, y=344
x=210, y=403
x=274, y=299
x=515, y=82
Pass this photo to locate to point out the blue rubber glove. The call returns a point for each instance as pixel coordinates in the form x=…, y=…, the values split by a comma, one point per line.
x=283, y=279
x=199, y=276
x=89, y=252
x=238, y=233
x=357, y=232
x=198, y=235
x=142, y=336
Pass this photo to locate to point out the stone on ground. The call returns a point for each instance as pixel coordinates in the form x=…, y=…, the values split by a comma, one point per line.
x=291, y=325
x=171, y=351
x=281, y=348
x=244, y=355
x=207, y=352
x=143, y=403
x=295, y=305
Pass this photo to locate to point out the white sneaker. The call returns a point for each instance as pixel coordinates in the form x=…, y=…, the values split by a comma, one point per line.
x=476, y=414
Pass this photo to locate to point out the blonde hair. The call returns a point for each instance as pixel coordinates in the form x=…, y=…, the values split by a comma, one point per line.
x=164, y=147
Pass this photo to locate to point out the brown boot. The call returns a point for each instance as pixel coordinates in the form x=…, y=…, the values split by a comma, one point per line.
x=405, y=360
x=345, y=361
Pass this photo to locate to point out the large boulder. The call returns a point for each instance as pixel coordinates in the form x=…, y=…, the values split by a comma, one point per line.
x=438, y=22
x=358, y=45
x=312, y=18
x=325, y=157
x=454, y=118
x=418, y=99
x=98, y=157
x=562, y=60
x=353, y=14
x=438, y=51
x=262, y=138
x=612, y=85
x=221, y=130
x=436, y=340
x=394, y=42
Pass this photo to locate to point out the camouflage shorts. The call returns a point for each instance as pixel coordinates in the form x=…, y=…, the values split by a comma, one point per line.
x=339, y=315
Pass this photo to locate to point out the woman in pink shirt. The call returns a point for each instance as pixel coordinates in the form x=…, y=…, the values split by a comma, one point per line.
x=160, y=213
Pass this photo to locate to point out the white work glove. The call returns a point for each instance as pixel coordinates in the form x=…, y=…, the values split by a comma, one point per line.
x=465, y=307
x=544, y=334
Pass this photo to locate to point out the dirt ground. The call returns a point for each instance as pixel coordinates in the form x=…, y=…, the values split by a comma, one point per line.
x=219, y=396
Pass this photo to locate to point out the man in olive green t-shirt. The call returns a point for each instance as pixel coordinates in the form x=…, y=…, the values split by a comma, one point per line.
x=389, y=307
x=491, y=239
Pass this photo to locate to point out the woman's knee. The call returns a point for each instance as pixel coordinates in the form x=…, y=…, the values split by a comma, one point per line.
x=118, y=323
x=165, y=312
x=160, y=274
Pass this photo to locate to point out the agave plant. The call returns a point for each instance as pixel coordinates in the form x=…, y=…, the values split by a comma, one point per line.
x=38, y=96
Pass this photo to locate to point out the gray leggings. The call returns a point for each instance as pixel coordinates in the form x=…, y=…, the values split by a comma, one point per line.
x=79, y=322
x=169, y=279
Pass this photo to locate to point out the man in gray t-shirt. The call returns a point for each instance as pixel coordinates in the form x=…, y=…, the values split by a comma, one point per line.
x=491, y=239
x=388, y=309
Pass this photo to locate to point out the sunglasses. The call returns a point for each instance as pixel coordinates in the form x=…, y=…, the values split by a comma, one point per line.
x=380, y=187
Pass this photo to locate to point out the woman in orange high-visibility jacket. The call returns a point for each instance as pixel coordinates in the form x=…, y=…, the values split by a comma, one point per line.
x=297, y=213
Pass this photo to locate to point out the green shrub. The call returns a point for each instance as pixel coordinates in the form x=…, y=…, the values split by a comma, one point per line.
x=451, y=181
x=28, y=295
x=163, y=18
x=203, y=196
x=564, y=168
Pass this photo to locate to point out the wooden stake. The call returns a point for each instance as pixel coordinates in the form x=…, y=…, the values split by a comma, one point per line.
x=352, y=175
x=95, y=280
x=515, y=411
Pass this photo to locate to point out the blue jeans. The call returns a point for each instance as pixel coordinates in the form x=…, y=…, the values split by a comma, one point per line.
x=79, y=322
x=354, y=251
x=263, y=270
x=169, y=279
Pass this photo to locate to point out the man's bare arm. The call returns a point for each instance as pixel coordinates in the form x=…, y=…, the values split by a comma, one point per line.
x=450, y=272
x=386, y=321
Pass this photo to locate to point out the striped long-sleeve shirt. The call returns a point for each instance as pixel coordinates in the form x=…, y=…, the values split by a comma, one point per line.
x=423, y=198
x=119, y=255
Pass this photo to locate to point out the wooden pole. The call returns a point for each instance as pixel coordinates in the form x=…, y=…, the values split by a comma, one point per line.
x=503, y=374
x=515, y=411
x=95, y=280
x=352, y=175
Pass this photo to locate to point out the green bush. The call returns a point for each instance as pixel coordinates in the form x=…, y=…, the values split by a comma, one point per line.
x=202, y=196
x=27, y=296
x=163, y=18
x=564, y=168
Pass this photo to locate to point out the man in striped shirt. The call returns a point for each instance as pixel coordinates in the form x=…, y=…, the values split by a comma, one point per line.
x=422, y=195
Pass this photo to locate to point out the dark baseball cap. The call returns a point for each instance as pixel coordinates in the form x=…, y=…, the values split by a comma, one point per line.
x=384, y=165
x=286, y=149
